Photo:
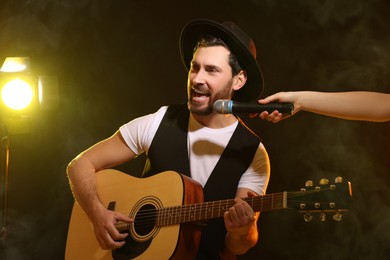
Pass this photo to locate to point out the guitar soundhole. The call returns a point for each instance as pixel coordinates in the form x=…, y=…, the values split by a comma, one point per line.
x=144, y=214
x=142, y=231
x=145, y=220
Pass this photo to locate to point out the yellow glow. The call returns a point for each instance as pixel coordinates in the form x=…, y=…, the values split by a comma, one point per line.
x=17, y=94
x=15, y=64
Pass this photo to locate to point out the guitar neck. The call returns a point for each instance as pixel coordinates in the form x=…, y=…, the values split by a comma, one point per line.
x=215, y=209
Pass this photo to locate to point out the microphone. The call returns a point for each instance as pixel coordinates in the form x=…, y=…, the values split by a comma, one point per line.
x=230, y=107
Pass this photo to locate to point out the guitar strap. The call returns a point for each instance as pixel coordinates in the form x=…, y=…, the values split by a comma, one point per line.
x=168, y=151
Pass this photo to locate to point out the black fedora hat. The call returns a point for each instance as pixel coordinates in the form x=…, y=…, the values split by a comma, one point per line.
x=239, y=43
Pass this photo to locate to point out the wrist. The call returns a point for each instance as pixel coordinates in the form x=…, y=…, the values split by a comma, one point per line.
x=239, y=243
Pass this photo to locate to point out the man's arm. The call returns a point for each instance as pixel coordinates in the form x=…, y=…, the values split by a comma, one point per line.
x=241, y=224
x=82, y=176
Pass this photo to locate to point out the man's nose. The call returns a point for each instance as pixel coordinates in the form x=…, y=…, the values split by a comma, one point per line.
x=199, y=77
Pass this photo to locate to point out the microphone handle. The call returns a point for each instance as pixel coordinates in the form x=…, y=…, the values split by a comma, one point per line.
x=284, y=108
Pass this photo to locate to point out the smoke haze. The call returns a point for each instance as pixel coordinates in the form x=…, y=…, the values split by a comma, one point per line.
x=116, y=60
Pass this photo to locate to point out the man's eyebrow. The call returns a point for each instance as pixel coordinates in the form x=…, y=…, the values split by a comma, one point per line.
x=214, y=67
x=207, y=66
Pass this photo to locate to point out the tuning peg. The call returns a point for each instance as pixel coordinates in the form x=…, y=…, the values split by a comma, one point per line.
x=309, y=183
x=337, y=216
x=323, y=216
x=338, y=179
x=307, y=217
x=324, y=181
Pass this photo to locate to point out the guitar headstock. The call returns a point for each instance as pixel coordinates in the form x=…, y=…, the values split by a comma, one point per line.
x=322, y=198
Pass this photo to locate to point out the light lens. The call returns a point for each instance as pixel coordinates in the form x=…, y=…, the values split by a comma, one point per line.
x=17, y=94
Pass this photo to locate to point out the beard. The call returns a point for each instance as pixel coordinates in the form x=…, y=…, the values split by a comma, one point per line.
x=201, y=111
x=225, y=93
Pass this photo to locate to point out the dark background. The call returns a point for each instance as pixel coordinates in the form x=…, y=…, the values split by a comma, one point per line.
x=116, y=60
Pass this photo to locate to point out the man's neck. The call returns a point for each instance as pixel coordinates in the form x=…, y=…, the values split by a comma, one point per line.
x=215, y=120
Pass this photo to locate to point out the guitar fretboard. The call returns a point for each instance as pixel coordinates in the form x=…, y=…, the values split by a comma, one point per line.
x=215, y=209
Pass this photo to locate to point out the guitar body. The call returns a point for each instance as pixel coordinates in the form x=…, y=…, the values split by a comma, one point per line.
x=133, y=197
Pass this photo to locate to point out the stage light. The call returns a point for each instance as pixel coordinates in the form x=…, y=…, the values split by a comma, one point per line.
x=17, y=94
x=17, y=86
x=23, y=94
x=16, y=64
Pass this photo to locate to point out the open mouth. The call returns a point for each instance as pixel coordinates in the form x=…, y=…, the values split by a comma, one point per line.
x=199, y=95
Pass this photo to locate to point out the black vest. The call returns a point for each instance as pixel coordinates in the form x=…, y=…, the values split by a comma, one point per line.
x=168, y=151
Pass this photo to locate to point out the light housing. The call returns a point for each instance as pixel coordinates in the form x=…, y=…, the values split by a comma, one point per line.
x=18, y=87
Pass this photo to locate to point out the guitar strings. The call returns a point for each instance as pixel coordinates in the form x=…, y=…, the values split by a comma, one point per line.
x=207, y=210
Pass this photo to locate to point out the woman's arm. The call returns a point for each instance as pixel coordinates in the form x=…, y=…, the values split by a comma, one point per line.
x=353, y=105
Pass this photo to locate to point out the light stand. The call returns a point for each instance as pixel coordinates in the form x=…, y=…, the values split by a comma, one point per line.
x=44, y=96
x=4, y=188
x=15, y=75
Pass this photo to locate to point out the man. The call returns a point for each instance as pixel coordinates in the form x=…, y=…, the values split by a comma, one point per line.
x=350, y=105
x=216, y=150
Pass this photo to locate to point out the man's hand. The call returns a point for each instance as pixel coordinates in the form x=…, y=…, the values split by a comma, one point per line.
x=240, y=218
x=106, y=233
x=241, y=225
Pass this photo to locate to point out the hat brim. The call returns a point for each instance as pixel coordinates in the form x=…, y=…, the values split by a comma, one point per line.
x=190, y=34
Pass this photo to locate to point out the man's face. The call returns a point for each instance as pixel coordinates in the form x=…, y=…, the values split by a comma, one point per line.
x=209, y=79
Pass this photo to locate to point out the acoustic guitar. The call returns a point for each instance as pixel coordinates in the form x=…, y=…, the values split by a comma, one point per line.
x=168, y=207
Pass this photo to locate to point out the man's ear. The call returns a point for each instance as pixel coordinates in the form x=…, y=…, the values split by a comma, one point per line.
x=239, y=80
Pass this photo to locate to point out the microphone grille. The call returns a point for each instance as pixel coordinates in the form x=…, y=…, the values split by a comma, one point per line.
x=221, y=106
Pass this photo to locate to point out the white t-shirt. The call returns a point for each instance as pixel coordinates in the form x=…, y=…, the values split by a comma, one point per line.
x=205, y=146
